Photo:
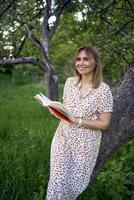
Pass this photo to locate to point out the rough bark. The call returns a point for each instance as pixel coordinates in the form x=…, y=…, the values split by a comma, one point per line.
x=121, y=129
x=51, y=84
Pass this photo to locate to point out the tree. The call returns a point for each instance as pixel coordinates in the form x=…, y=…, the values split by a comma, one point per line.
x=122, y=126
x=47, y=32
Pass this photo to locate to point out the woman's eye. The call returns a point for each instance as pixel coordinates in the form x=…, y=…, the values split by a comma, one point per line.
x=85, y=59
x=78, y=59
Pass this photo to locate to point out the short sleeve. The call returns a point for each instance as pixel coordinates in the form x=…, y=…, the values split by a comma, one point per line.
x=105, y=100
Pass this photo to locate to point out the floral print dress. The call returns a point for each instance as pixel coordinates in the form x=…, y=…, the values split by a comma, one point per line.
x=74, y=150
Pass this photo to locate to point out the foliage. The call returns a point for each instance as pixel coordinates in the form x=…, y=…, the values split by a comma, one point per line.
x=99, y=23
x=23, y=74
x=62, y=49
x=6, y=69
x=13, y=26
x=105, y=24
x=116, y=179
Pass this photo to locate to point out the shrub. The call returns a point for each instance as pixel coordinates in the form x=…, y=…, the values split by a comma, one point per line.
x=23, y=74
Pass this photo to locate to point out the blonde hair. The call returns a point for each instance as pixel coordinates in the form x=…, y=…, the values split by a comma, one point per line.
x=97, y=75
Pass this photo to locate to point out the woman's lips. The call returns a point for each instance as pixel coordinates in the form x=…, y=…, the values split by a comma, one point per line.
x=81, y=68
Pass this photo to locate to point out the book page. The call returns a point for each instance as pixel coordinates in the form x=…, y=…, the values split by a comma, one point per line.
x=46, y=100
x=56, y=107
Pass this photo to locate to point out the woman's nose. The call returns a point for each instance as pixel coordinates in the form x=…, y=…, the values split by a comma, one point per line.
x=81, y=62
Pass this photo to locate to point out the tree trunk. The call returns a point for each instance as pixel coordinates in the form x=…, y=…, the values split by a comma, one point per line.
x=121, y=129
x=51, y=84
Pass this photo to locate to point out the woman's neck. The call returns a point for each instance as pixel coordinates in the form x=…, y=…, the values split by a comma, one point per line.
x=86, y=80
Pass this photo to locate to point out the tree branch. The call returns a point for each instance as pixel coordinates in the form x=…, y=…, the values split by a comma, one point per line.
x=49, y=2
x=123, y=26
x=45, y=27
x=104, y=10
x=56, y=24
x=30, y=60
x=108, y=6
x=17, y=52
x=130, y=5
x=104, y=19
x=36, y=42
x=57, y=14
x=5, y=10
x=48, y=33
x=119, y=53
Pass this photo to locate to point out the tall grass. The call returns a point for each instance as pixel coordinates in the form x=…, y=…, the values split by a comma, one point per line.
x=26, y=130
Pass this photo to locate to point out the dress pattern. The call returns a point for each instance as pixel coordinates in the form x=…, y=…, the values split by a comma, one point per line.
x=74, y=150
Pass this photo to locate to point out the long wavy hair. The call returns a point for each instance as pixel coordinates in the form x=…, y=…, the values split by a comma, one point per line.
x=97, y=75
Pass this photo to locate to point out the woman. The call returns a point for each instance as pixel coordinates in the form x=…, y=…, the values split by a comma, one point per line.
x=75, y=147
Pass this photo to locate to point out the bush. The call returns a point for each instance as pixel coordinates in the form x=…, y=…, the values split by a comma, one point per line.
x=23, y=74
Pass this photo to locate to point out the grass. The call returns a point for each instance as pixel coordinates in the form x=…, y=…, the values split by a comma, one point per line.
x=26, y=130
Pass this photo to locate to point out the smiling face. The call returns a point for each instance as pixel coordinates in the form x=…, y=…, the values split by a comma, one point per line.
x=88, y=65
x=85, y=64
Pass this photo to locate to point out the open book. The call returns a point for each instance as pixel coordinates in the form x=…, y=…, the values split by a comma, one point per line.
x=55, y=107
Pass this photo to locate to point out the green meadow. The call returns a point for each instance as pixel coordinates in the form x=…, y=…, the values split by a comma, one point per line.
x=26, y=131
